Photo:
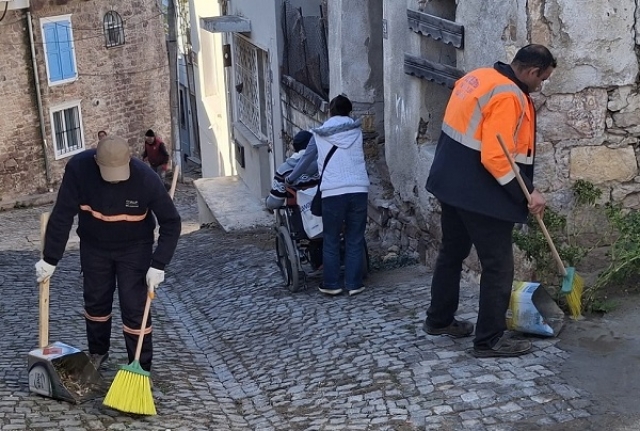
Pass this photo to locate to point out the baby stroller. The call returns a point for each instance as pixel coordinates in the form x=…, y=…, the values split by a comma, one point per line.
x=295, y=251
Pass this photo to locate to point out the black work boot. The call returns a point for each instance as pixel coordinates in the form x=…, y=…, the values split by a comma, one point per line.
x=97, y=359
x=457, y=328
x=504, y=348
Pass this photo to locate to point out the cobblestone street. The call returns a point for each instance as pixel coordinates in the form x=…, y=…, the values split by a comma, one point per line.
x=234, y=350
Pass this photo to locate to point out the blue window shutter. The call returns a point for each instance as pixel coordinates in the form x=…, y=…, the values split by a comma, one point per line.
x=53, y=52
x=67, y=57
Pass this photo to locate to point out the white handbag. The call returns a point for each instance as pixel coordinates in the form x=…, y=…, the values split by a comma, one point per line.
x=312, y=224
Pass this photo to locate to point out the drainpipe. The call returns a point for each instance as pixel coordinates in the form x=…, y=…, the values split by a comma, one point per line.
x=174, y=94
x=36, y=79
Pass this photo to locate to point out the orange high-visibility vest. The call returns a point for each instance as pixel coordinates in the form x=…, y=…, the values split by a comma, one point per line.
x=484, y=103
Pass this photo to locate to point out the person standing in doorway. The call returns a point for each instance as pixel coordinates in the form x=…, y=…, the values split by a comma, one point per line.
x=155, y=152
x=118, y=200
x=479, y=194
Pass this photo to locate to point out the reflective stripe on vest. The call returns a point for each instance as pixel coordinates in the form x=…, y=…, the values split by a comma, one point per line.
x=467, y=138
x=113, y=218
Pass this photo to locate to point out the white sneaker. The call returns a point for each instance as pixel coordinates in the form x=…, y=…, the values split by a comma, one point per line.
x=355, y=291
x=332, y=292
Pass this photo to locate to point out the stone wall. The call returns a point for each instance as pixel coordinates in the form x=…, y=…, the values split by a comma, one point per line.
x=589, y=111
x=123, y=90
x=21, y=163
x=301, y=110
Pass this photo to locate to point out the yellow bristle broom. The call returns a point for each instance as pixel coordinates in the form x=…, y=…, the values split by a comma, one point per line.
x=130, y=391
x=572, y=283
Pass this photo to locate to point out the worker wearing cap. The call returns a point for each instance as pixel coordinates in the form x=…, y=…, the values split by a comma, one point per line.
x=114, y=197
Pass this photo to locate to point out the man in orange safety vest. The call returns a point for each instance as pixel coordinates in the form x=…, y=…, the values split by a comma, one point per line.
x=479, y=194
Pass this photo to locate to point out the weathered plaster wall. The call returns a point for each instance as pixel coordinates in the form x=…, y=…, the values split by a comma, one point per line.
x=265, y=28
x=402, y=100
x=594, y=42
x=400, y=216
x=216, y=148
x=493, y=31
x=355, y=52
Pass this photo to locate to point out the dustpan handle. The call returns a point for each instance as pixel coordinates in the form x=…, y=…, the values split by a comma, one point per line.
x=523, y=186
x=43, y=316
x=143, y=327
x=174, y=181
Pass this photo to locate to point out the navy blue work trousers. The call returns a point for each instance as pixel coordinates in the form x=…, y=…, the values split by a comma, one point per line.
x=103, y=271
x=492, y=239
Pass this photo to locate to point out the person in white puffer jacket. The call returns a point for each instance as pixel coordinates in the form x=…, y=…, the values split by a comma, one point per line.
x=345, y=188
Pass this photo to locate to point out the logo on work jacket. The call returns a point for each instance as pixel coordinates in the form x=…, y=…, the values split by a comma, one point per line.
x=131, y=204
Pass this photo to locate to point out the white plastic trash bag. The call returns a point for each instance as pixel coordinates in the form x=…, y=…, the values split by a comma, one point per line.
x=533, y=311
x=312, y=224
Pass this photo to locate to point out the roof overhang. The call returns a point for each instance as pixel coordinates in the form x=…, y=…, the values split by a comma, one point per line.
x=14, y=4
x=226, y=23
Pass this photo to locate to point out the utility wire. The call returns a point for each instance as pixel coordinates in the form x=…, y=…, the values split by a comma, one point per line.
x=130, y=20
x=134, y=72
x=124, y=21
x=73, y=28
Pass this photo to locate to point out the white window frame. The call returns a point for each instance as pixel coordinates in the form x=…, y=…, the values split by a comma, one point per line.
x=262, y=131
x=61, y=107
x=52, y=19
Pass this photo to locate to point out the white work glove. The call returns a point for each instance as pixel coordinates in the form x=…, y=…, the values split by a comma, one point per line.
x=154, y=278
x=44, y=270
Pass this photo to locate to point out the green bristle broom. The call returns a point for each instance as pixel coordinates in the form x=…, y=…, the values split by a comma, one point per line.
x=572, y=283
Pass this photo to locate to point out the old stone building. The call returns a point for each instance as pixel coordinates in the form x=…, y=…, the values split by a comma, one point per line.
x=398, y=60
x=589, y=111
x=69, y=68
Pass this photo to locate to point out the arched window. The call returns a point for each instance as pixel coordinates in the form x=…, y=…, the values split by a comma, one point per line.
x=113, y=29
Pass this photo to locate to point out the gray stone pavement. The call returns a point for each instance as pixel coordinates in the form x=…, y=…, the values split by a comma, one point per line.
x=234, y=350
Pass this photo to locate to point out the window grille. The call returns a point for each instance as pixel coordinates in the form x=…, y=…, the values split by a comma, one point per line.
x=253, y=87
x=113, y=29
x=67, y=131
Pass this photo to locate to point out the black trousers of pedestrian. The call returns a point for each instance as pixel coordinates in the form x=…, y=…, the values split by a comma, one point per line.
x=103, y=271
x=492, y=239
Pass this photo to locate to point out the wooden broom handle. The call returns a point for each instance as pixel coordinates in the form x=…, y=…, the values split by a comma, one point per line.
x=523, y=186
x=43, y=319
x=174, y=181
x=147, y=305
x=143, y=327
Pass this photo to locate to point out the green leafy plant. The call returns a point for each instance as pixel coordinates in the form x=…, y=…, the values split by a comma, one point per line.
x=585, y=193
x=624, y=253
x=532, y=242
x=602, y=305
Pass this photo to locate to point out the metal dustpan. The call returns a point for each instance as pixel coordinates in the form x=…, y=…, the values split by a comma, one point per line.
x=58, y=370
